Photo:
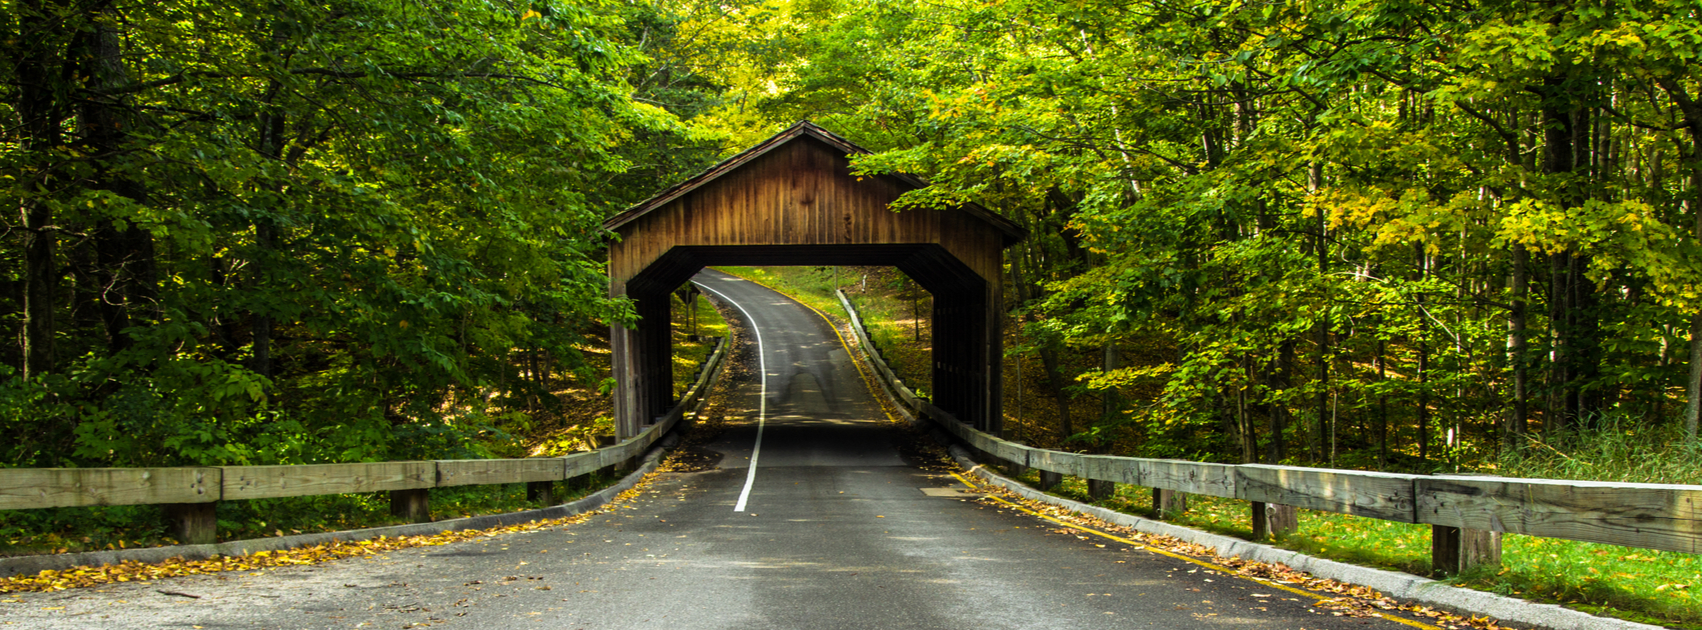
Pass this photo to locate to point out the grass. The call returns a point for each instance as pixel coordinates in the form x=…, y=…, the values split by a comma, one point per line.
x=1637, y=584
x=690, y=354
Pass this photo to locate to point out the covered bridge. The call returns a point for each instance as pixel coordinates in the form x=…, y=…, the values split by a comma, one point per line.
x=792, y=200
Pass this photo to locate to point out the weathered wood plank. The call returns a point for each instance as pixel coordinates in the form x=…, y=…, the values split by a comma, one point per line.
x=582, y=463
x=1059, y=462
x=1107, y=468
x=1387, y=496
x=1650, y=516
x=31, y=488
x=1010, y=451
x=1216, y=480
x=468, y=472
x=263, y=482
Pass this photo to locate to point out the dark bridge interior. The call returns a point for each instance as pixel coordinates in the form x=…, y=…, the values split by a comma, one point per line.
x=960, y=311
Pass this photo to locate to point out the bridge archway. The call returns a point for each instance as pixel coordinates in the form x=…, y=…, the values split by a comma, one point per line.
x=792, y=200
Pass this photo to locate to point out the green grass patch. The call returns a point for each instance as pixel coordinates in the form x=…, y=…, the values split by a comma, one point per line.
x=810, y=285
x=691, y=348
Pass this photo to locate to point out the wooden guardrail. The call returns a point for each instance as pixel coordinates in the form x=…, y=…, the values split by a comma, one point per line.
x=191, y=492
x=1467, y=513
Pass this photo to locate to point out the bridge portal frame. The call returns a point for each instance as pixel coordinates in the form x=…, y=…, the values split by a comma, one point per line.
x=792, y=200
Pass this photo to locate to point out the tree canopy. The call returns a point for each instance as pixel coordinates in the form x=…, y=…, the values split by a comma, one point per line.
x=293, y=231
x=1273, y=232
x=308, y=231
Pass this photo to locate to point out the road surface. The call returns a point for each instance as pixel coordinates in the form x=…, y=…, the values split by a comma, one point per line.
x=830, y=529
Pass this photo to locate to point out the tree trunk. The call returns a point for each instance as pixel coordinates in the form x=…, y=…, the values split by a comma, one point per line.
x=1423, y=362
x=1111, y=402
x=1313, y=174
x=1513, y=436
x=124, y=255
x=1692, y=111
x=1276, y=415
x=1382, y=405
x=1693, y=385
x=40, y=112
x=1555, y=418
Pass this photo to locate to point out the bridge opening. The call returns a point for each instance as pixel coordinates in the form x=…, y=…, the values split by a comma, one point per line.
x=793, y=201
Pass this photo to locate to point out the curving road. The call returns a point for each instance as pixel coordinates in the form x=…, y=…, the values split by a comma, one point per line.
x=830, y=529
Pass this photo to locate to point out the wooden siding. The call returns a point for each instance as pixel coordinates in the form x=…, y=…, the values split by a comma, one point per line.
x=801, y=193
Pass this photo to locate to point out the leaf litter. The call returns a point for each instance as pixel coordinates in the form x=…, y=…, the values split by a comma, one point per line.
x=1338, y=598
x=142, y=572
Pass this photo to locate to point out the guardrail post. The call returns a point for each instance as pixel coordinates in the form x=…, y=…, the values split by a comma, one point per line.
x=1050, y=480
x=1100, y=489
x=1168, y=502
x=541, y=492
x=1274, y=519
x=414, y=505
x=1454, y=550
x=193, y=523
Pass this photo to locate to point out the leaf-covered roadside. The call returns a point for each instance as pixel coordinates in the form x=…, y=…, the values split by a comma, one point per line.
x=129, y=571
x=1337, y=597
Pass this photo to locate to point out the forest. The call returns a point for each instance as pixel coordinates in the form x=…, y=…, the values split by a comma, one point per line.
x=1371, y=234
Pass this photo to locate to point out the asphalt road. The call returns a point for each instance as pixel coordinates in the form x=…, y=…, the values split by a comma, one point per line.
x=836, y=530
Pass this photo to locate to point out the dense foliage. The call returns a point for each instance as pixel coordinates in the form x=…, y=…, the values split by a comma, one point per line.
x=1409, y=232
x=1373, y=233
x=292, y=231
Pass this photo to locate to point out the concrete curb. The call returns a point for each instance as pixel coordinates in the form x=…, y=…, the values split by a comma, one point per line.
x=1400, y=586
x=32, y=564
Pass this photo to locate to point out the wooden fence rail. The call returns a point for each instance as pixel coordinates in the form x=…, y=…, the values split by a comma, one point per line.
x=192, y=491
x=1468, y=513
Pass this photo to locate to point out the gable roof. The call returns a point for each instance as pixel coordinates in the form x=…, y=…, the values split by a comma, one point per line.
x=803, y=129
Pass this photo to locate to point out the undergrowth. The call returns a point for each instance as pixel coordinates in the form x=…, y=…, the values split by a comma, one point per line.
x=77, y=529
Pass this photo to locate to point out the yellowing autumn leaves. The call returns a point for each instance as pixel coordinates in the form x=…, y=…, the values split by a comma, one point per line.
x=83, y=577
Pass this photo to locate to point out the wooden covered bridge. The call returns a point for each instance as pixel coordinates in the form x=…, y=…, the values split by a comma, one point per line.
x=792, y=200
